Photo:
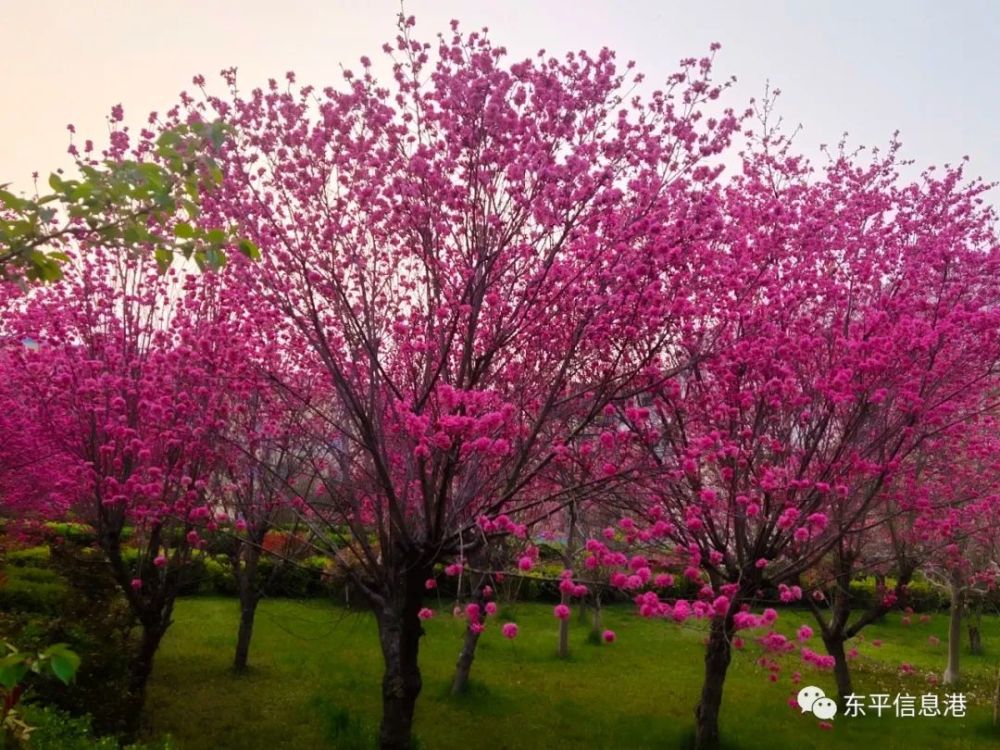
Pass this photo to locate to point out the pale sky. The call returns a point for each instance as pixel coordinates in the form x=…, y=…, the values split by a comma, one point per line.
x=928, y=68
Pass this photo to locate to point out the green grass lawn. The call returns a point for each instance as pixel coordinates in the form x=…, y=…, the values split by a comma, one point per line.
x=315, y=680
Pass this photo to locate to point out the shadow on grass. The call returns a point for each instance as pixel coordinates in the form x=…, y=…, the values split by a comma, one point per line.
x=478, y=698
x=988, y=730
x=341, y=729
x=344, y=731
x=728, y=743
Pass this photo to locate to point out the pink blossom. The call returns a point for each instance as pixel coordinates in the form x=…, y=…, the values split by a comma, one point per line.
x=509, y=630
x=425, y=613
x=561, y=611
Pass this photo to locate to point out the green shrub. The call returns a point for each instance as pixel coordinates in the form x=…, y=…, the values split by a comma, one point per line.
x=35, y=575
x=24, y=592
x=96, y=621
x=213, y=575
x=296, y=580
x=56, y=730
x=37, y=557
x=551, y=550
x=921, y=596
x=219, y=576
x=78, y=533
x=924, y=597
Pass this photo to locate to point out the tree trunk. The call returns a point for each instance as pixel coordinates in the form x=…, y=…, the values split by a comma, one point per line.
x=568, y=553
x=468, y=653
x=952, y=672
x=835, y=647
x=247, y=611
x=975, y=640
x=464, y=664
x=140, y=669
x=563, y=650
x=597, y=627
x=246, y=580
x=718, y=654
x=399, y=635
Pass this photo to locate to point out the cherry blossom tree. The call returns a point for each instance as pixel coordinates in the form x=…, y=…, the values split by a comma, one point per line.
x=118, y=400
x=269, y=464
x=482, y=257
x=938, y=500
x=864, y=321
x=965, y=560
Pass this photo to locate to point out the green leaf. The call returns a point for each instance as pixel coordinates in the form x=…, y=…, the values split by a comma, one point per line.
x=249, y=249
x=64, y=662
x=13, y=668
x=184, y=230
x=11, y=201
x=215, y=258
x=163, y=258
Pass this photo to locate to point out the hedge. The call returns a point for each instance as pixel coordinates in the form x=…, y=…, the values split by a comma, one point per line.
x=32, y=586
x=28, y=589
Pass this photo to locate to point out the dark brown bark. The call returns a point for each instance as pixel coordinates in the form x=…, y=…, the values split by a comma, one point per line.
x=247, y=611
x=563, y=650
x=952, y=673
x=152, y=604
x=718, y=654
x=399, y=635
x=975, y=640
x=837, y=629
x=841, y=671
x=597, y=627
x=464, y=665
x=140, y=669
x=246, y=581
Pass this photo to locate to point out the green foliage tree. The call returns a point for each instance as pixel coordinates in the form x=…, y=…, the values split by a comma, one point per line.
x=147, y=205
